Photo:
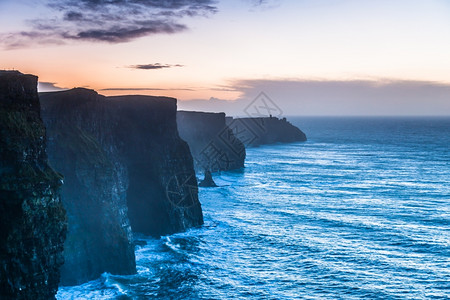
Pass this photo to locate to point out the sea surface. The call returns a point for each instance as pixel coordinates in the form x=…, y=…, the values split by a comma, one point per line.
x=359, y=211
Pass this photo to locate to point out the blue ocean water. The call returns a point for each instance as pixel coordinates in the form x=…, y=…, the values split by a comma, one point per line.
x=359, y=211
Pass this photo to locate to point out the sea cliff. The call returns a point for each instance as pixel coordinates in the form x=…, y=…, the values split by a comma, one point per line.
x=32, y=217
x=99, y=235
x=127, y=170
x=213, y=144
x=163, y=192
x=266, y=130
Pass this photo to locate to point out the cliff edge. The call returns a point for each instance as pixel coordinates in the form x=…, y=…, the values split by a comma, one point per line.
x=162, y=195
x=267, y=130
x=32, y=218
x=126, y=170
x=99, y=237
x=213, y=144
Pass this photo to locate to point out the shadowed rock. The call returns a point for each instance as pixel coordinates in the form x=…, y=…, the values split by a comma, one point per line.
x=99, y=235
x=213, y=144
x=32, y=218
x=268, y=130
x=208, y=181
x=125, y=165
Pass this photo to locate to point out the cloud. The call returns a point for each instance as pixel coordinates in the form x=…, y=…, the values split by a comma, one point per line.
x=260, y=2
x=131, y=89
x=264, y=4
x=112, y=21
x=126, y=34
x=338, y=98
x=154, y=66
x=25, y=38
x=48, y=87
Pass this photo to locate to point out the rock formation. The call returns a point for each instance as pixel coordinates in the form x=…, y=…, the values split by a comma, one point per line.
x=213, y=144
x=32, y=218
x=162, y=194
x=138, y=137
x=99, y=235
x=268, y=130
x=208, y=181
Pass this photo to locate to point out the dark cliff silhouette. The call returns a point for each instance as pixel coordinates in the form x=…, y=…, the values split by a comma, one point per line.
x=213, y=144
x=141, y=175
x=267, y=130
x=99, y=235
x=32, y=218
x=208, y=181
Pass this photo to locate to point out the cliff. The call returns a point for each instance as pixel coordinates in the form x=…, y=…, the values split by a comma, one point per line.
x=213, y=144
x=268, y=130
x=162, y=194
x=99, y=235
x=124, y=161
x=32, y=218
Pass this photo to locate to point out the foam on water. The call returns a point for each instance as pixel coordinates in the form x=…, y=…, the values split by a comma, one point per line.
x=360, y=211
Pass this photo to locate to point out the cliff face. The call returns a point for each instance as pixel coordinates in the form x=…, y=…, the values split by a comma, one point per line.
x=213, y=144
x=162, y=194
x=269, y=130
x=99, y=235
x=139, y=138
x=32, y=218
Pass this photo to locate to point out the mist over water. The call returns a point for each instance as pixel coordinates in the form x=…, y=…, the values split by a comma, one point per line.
x=359, y=211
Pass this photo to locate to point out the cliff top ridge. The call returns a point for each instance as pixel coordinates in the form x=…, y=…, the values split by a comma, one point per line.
x=10, y=72
x=18, y=90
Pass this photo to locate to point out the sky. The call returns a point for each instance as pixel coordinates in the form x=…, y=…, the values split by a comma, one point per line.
x=310, y=57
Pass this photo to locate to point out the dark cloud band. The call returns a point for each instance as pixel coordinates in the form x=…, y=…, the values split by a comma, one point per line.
x=112, y=21
x=131, y=89
x=156, y=66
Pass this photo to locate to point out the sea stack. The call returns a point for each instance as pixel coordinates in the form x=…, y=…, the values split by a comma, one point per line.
x=208, y=181
x=32, y=217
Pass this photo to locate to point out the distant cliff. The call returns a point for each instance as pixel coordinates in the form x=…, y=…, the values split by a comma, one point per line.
x=139, y=167
x=32, y=218
x=268, y=130
x=99, y=235
x=213, y=144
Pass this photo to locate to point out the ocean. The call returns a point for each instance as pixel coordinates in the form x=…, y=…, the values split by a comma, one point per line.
x=359, y=211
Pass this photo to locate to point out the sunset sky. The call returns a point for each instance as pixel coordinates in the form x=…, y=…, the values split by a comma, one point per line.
x=235, y=49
